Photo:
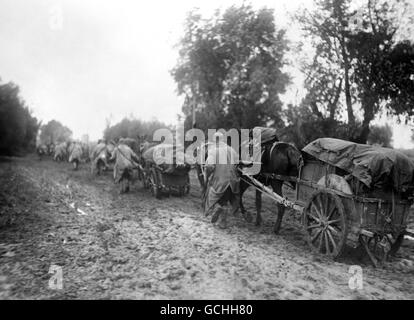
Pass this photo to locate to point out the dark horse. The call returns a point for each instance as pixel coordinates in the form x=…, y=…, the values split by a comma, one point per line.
x=279, y=158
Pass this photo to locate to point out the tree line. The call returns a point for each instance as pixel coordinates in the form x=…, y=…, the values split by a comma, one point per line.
x=20, y=131
x=18, y=127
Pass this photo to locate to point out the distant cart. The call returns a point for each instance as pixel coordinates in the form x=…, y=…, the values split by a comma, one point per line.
x=164, y=179
x=353, y=194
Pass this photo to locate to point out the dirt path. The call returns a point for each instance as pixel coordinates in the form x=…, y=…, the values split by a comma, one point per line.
x=136, y=247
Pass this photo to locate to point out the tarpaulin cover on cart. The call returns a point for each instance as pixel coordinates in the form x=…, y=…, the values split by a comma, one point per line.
x=376, y=167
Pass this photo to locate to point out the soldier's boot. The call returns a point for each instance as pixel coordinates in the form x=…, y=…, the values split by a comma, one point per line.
x=223, y=220
x=248, y=217
x=122, y=184
x=216, y=214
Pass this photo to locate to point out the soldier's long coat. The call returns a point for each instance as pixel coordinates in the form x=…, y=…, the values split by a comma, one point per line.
x=125, y=159
x=61, y=151
x=76, y=153
x=99, y=152
x=221, y=161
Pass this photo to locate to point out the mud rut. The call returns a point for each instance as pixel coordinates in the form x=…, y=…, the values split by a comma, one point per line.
x=136, y=247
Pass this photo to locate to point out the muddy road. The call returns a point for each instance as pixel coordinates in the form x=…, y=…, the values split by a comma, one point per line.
x=132, y=246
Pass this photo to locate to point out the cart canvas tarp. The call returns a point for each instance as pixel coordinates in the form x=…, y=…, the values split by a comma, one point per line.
x=166, y=177
x=376, y=167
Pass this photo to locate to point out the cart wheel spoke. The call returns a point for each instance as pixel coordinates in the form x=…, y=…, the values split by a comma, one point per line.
x=334, y=230
x=327, y=248
x=332, y=240
x=331, y=222
x=316, y=235
x=317, y=211
x=315, y=218
x=313, y=226
x=321, y=206
x=321, y=241
x=329, y=215
x=326, y=203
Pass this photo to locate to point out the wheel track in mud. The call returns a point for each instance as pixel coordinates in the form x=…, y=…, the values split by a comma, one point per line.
x=134, y=246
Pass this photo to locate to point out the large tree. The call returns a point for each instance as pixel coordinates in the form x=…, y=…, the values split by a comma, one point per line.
x=383, y=67
x=358, y=63
x=231, y=68
x=328, y=73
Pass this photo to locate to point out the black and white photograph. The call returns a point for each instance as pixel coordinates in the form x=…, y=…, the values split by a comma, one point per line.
x=211, y=151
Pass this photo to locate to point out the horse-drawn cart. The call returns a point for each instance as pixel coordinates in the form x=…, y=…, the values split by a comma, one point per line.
x=350, y=194
x=165, y=178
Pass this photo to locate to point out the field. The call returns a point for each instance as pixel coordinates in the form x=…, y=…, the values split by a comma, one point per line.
x=132, y=246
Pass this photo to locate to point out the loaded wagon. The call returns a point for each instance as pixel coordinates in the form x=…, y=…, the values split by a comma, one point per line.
x=350, y=194
x=165, y=178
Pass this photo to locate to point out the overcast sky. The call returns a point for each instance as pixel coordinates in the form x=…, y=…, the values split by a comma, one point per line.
x=83, y=61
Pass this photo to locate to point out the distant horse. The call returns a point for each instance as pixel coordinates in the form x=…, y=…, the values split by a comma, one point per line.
x=279, y=158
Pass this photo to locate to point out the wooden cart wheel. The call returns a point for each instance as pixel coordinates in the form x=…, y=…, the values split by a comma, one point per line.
x=155, y=189
x=325, y=223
